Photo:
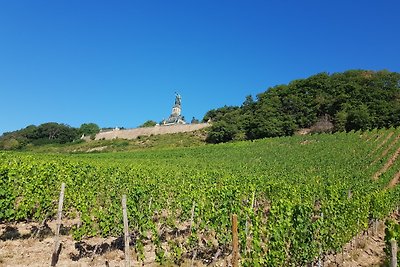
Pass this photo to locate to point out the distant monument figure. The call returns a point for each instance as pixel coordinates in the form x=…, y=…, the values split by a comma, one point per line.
x=175, y=117
x=178, y=99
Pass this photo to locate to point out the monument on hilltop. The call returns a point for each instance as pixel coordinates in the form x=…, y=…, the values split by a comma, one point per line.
x=175, y=117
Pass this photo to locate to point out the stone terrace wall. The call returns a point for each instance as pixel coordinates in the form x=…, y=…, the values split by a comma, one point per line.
x=134, y=133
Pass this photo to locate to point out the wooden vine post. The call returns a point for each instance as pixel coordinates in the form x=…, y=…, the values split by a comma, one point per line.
x=57, y=245
x=192, y=216
x=393, y=258
x=126, y=232
x=235, y=242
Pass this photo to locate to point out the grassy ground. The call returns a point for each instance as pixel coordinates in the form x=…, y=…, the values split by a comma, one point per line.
x=190, y=139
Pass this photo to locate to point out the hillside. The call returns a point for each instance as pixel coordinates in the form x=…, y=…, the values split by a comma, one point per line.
x=298, y=199
x=165, y=141
x=65, y=139
x=352, y=100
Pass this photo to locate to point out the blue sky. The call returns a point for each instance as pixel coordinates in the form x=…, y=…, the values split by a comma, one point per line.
x=119, y=63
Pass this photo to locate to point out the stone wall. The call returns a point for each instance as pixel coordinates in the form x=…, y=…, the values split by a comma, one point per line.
x=134, y=133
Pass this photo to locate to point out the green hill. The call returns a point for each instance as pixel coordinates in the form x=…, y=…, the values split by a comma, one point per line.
x=352, y=100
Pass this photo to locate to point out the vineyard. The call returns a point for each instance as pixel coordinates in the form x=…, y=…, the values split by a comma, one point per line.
x=296, y=198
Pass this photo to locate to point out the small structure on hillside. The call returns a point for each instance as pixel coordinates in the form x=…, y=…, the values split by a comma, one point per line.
x=175, y=117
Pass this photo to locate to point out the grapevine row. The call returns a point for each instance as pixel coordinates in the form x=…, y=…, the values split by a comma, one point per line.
x=296, y=198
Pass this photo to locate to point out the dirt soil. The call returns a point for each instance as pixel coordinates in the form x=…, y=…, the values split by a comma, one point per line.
x=395, y=180
x=21, y=244
x=388, y=164
x=364, y=250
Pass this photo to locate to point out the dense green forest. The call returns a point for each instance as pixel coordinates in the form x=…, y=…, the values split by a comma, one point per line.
x=352, y=100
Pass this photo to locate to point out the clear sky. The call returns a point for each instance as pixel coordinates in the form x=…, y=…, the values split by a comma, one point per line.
x=119, y=63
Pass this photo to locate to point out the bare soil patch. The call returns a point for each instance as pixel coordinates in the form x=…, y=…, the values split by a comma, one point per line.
x=394, y=181
x=384, y=153
x=364, y=250
x=22, y=245
x=388, y=164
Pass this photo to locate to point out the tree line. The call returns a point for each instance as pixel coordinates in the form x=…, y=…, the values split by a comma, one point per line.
x=46, y=133
x=351, y=100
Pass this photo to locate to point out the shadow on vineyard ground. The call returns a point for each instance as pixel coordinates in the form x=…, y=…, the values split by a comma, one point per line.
x=31, y=244
x=13, y=233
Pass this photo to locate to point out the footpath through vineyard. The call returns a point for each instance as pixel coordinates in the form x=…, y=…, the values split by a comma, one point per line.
x=298, y=200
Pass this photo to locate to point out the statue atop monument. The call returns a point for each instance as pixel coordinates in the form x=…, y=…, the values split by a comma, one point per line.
x=175, y=117
x=178, y=99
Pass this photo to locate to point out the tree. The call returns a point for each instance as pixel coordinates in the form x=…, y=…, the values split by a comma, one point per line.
x=248, y=103
x=53, y=132
x=149, y=123
x=10, y=144
x=220, y=113
x=89, y=129
x=340, y=121
x=358, y=118
x=221, y=132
